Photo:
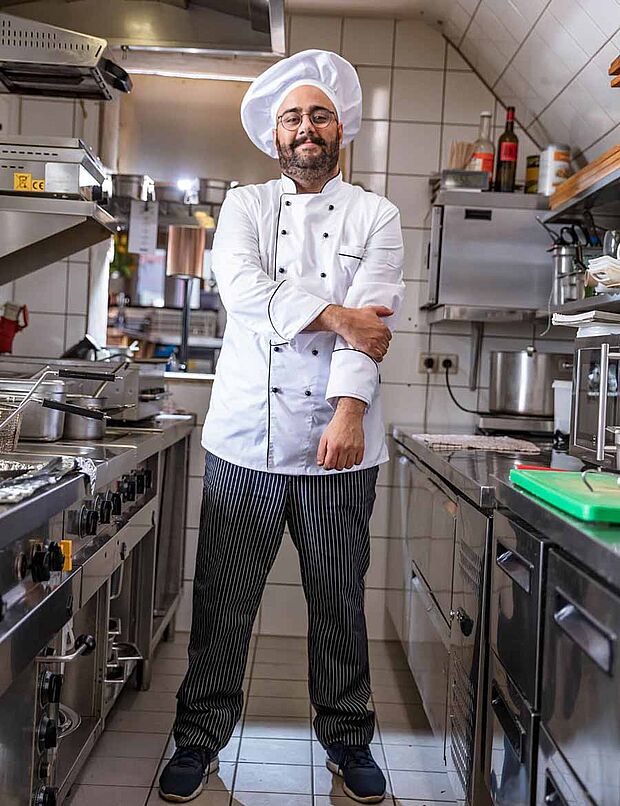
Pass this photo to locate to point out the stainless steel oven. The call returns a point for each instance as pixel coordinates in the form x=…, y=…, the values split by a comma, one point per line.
x=595, y=406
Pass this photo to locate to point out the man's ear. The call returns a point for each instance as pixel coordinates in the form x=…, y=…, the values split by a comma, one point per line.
x=275, y=138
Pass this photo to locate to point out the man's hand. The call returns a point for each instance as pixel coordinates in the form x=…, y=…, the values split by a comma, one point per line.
x=342, y=442
x=362, y=328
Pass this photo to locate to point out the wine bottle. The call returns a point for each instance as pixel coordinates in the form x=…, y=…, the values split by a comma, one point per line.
x=484, y=151
x=507, y=151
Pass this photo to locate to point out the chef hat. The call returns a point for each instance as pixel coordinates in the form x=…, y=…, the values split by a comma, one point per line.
x=318, y=68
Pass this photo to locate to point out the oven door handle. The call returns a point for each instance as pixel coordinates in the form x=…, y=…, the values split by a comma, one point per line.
x=581, y=628
x=513, y=730
x=84, y=645
x=514, y=566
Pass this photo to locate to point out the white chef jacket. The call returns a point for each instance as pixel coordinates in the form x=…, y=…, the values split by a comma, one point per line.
x=280, y=257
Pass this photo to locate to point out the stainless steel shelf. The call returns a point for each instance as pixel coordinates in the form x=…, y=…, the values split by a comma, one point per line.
x=602, y=199
x=601, y=302
x=472, y=313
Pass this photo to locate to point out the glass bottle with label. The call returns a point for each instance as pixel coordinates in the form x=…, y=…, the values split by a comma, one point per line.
x=507, y=152
x=484, y=150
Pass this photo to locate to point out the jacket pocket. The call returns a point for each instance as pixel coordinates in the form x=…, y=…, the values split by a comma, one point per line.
x=350, y=256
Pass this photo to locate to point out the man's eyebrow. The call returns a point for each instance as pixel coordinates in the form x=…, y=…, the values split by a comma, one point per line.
x=312, y=109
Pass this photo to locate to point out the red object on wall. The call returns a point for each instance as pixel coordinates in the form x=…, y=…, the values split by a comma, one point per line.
x=14, y=319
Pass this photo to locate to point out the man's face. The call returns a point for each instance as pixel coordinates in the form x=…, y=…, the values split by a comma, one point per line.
x=310, y=151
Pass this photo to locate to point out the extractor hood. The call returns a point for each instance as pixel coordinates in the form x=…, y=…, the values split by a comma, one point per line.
x=38, y=231
x=181, y=37
x=41, y=59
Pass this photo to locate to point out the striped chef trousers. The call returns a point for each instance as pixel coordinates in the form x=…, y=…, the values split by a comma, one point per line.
x=242, y=522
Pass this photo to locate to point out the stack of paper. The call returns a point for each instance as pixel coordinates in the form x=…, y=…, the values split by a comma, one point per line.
x=605, y=270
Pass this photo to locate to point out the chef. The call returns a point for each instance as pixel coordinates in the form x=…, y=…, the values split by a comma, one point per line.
x=309, y=269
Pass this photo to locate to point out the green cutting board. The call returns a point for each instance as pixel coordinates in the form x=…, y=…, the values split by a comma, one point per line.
x=567, y=492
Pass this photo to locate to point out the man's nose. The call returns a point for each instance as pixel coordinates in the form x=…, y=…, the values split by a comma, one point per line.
x=306, y=126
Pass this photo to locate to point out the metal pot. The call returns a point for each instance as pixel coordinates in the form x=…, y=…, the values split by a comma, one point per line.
x=39, y=424
x=521, y=381
x=86, y=416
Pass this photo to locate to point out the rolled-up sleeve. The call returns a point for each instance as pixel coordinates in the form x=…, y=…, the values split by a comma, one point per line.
x=377, y=281
x=278, y=310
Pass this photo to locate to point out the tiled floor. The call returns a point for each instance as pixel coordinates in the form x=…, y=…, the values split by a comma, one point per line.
x=272, y=759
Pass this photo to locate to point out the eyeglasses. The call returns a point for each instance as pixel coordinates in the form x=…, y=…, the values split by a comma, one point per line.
x=320, y=119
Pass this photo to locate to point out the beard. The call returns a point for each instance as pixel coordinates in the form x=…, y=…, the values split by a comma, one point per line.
x=308, y=168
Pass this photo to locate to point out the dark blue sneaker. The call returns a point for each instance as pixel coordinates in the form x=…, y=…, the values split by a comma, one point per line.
x=363, y=780
x=183, y=776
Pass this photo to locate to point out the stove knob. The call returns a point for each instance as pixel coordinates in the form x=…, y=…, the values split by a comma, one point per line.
x=48, y=734
x=140, y=482
x=56, y=557
x=40, y=565
x=116, y=500
x=128, y=488
x=45, y=796
x=90, y=642
x=89, y=519
x=50, y=687
x=105, y=512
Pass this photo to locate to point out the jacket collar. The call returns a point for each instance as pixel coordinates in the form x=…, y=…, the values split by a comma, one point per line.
x=335, y=183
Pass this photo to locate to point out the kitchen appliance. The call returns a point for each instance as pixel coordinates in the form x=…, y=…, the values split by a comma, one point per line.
x=521, y=381
x=478, y=244
x=569, y=273
x=174, y=292
x=581, y=680
x=40, y=59
x=595, y=410
x=38, y=423
x=139, y=388
x=50, y=166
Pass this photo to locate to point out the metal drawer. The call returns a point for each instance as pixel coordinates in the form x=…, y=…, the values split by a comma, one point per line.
x=556, y=783
x=428, y=654
x=516, y=615
x=581, y=679
x=511, y=729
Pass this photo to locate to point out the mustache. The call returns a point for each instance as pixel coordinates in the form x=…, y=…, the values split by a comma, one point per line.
x=318, y=141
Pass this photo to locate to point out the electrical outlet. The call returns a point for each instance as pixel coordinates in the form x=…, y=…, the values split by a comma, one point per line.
x=428, y=363
x=454, y=366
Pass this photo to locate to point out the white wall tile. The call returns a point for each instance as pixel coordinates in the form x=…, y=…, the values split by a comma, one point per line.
x=43, y=336
x=44, y=291
x=373, y=182
x=455, y=61
x=375, y=578
x=580, y=25
x=370, y=147
x=77, y=288
x=411, y=195
x=314, y=32
x=42, y=117
x=442, y=412
x=403, y=403
x=401, y=363
x=418, y=45
x=375, y=83
x=75, y=329
x=367, y=41
x=283, y=611
x=603, y=12
x=417, y=95
x=466, y=97
x=415, y=254
x=414, y=148
x=411, y=319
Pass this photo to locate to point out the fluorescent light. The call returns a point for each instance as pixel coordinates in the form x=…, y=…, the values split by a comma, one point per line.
x=185, y=184
x=179, y=74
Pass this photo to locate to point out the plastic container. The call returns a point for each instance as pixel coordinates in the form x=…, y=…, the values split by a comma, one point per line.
x=562, y=393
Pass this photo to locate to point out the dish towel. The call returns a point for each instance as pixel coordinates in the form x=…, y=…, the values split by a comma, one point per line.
x=451, y=442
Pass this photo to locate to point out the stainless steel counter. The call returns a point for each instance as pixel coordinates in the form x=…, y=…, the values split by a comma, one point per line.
x=483, y=478
x=118, y=453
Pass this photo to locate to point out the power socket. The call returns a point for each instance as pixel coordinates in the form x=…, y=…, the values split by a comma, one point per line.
x=432, y=363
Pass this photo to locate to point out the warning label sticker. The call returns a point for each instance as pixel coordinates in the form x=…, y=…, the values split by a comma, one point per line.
x=25, y=183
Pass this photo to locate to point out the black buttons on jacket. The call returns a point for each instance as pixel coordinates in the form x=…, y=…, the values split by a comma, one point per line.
x=323, y=274
x=282, y=270
x=326, y=234
x=275, y=389
x=331, y=207
x=315, y=352
x=287, y=202
x=308, y=393
x=283, y=232
x=276, y=349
